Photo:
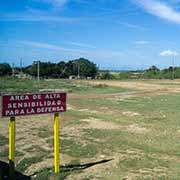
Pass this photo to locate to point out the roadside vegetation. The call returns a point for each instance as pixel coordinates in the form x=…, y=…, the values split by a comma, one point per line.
x=18, y=85
x=76, y=68
x=84, y=69
x=151, y=73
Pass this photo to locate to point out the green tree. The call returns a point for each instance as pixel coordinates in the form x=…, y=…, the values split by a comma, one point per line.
x=60, y=70
x=46, y=69
x=106, y=75
x=5, y=69
x=152, y=72
x=84, y=68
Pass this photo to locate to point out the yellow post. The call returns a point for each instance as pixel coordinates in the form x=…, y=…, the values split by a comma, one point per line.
x=11, y=148
x=56, y=143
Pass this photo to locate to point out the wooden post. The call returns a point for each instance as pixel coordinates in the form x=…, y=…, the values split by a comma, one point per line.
x=11, y=148
x=56, y=143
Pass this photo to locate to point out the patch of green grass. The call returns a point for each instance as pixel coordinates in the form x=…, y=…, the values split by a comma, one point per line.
x=163, y=103
x=65, y=170
x=26, y=162
x=36, y=148
x=50, y=141
x=77, y=149
x=103, y=89
x=16, y=85
x=43, y=132
x=5, y=153
x=3, y=140
x=119, y=140
x=74, y=148
x=48, y=174
x=75, y=116
x=18, y=153
x=143, y=162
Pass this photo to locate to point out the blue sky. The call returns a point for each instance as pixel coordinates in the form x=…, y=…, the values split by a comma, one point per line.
x=115, y=34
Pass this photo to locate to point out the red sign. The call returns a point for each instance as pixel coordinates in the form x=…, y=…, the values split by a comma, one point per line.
x=29, y=104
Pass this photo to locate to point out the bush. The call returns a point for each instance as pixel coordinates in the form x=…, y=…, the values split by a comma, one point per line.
x=5, y=69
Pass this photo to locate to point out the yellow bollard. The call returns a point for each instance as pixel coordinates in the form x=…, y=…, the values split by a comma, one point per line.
x=56, y=143
x=11, y=148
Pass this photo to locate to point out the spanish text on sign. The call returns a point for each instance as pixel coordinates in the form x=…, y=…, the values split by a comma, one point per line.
x=29, y=104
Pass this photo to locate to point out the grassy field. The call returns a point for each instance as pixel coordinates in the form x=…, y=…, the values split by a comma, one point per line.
x=113, y=130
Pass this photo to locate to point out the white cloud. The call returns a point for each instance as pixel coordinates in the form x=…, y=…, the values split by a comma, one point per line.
x=160, y=9
x=141, y=42
x=81, y=44
x=169, y=53
x=93, y=53
x=48, y=46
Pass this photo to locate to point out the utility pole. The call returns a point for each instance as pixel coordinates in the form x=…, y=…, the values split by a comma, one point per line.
x=21, y=73
x=13, y=71
x=173, y=57
x=38, y=70
x=21, y=65
x=78, y=71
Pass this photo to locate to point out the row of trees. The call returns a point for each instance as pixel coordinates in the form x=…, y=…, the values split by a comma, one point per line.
x=79, y=67
x=85, y=68
x=151, y=73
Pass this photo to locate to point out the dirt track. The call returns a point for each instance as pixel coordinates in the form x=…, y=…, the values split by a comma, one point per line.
x=146, y=85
